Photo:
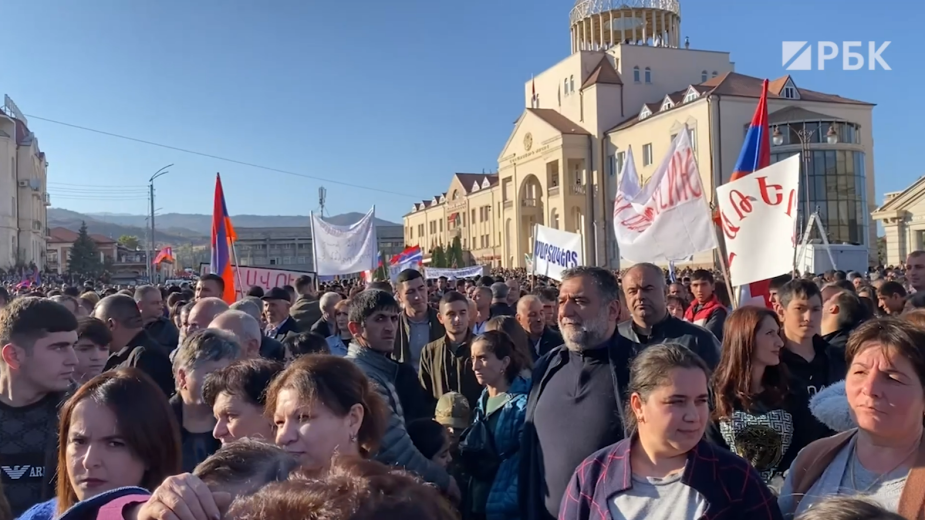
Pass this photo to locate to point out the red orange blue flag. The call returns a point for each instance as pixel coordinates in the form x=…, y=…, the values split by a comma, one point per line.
x=222, y=236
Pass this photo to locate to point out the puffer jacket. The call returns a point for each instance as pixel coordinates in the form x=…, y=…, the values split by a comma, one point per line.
x=396, y=448
x=830, y=407
x=502, y=498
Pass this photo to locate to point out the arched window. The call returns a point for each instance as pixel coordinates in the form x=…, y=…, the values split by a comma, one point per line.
x=572, y=83
x=565, y=83
x=703, y=76
x=636, y=74
x=648, y=75
x=715, y=73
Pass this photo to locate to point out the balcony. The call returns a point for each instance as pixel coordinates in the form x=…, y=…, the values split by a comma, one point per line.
x=553, y=191
x=529, y=203
x=581, y=189
x=36, y=225
x=508, y=204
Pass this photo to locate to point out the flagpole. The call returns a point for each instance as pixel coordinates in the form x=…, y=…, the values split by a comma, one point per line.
x=237, y=271
x=311, y=216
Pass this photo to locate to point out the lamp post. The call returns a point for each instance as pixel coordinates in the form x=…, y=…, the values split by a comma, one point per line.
x=158, y=173
x=805, y=137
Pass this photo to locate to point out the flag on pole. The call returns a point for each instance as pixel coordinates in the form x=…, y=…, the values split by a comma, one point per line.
x=755, y=155
x=222, y=236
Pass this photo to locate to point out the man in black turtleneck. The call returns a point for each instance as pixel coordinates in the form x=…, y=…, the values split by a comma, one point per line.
x=580, y=382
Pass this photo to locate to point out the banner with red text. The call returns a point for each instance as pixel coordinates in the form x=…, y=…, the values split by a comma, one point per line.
x=668, y=219
x=758, y=214
x=261, y=277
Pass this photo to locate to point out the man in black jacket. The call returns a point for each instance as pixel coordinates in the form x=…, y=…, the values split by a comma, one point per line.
x=841, y=314
x=151, y=305
x=645, y=289
x=532, y=319
x=499, y=304
x=306, y=310
x=276, y=305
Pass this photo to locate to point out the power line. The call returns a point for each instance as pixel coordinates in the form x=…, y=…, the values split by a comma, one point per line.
x=96, y=192
x=219, y=158
x=140, y=186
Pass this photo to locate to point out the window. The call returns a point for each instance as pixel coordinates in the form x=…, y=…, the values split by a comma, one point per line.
x=703, y=76
x=565, y=83
x=648, y=75
x=790, y=93
x=621, y=159
x=647, y=154
x=611, y=165
x=473, y=217
x=693, y=136
x=667, y=104
x=645, y=112
x=691, y=95
x=572, y=83
x=715, y=73
x=636, y=74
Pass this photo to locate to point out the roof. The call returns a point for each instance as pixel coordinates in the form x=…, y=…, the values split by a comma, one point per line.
x=604, y=74
x=739, y=85
x=793, y=114
x=902, y=199
x=469, y=179
x=558, y=121
x=60, y=235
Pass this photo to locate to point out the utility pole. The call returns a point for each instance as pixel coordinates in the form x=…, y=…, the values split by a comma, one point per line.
x=158, y=173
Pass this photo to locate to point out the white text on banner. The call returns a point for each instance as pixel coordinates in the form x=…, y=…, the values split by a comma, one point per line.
x=555, y=251
x=432, y=273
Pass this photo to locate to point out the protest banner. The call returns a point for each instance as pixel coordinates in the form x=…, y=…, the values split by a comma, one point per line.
x=668, y=220
x=340, y=250
x=432, y=273
x=265, y=277
x=555, y=251
x=758, y=214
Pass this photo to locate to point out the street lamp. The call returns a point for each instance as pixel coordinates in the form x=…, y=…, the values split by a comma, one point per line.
x=158, y=173
x=805, y=137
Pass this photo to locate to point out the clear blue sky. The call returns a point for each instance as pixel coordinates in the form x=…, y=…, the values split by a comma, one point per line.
x=389, y=96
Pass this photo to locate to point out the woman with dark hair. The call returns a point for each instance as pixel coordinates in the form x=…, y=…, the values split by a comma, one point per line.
x=118, y=440
x=304, y=343
x=756, y=414
x=665, y=469
x=509, y=326
x=324, y=405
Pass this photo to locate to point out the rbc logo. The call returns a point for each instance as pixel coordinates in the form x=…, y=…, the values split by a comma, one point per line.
x=799, y=55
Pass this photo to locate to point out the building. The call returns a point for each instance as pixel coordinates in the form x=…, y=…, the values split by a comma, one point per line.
x=290, y=248
x=629, y=83
x=23, y=177
x=903, y=218
x=61, y=241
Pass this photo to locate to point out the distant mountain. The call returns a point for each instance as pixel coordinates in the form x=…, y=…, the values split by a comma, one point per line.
x=103, y=225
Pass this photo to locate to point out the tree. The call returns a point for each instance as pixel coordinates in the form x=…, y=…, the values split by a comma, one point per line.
x=454, y=254
x=129, y=241
x=438, y=257
x=84, y=257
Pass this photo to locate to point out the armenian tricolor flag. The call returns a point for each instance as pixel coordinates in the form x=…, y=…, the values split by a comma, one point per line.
x=165, y=255
x=222, y=236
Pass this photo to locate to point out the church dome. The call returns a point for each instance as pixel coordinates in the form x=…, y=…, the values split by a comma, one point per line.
x=601, y=24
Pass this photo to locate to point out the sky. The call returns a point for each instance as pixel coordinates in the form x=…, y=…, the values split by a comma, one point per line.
x=379, y=102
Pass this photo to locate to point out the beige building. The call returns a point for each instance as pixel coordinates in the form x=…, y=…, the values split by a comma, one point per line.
x=631, y=84
x=903, y=218
x=23, y=192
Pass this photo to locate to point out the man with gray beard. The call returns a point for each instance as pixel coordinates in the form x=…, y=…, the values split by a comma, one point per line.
x=579, y=383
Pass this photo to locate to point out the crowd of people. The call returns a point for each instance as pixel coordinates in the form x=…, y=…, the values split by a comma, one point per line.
x=626, y=396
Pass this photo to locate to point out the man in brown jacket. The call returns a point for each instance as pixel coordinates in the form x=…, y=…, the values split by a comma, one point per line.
x=418, y=323
x=446, y=365
x=305, y=311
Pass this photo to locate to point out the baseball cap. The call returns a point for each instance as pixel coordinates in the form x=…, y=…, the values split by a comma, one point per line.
x=453, y=411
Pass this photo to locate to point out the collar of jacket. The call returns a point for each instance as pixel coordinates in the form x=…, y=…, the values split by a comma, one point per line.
x=375, y=360
x=660, y=329
x=462, y=348
x=701, y=311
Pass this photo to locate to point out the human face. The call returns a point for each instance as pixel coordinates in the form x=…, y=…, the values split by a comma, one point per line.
x=531, y=318
x=443, y=458
x=312, y=432
x=645, y=296
x=488, y=369
x=235, y=418
x=190, y=379
x=676, y=310
x=328, y=309
x=97, y=456
x=151, y=306
x=802, y=318
x=702, y=290
x=455, y=318
x=413, y=295
x=677, y=289
x=915, y=271
x=884, y=392
x=482, y=297
x=276, y=310
x=91, y=358
x=207, y=289
x=49, y=365
x=340, y=318
x=378, y=331
x=674, y=416
x=513, y=291
x=585, y=319
x=767, y=343
x=892, y=304
x=550, y=313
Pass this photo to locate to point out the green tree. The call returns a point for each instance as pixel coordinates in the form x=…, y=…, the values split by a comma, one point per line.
x=438, y=257
x=84, y=257
x=454, y=256
x=129, y=241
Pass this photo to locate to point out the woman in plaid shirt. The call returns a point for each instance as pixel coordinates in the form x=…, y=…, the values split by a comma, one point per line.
x=665, y=470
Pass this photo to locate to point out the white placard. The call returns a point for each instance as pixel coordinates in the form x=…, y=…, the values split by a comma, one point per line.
x=555, y=251
x=759, y=213
x=432, y=273
x=341, y=250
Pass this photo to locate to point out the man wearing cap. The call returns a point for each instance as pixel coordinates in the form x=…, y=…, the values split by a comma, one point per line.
x=453, y=413
x=276, y=305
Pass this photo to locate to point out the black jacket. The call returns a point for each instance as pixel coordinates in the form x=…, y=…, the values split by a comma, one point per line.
x=287, y=327
x=272, y=349
x=673, y=330
x=531, y=495
x=322, y=328
x=838, y=340
x=827, y=367
x=548, y=341
x=145, y=354
x=500, y=309
x=164, y=332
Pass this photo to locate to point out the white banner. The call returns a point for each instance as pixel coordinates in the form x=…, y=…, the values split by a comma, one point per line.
x=261, y=277
x=759, y=213
x=668, y=220
x=555, y=251
x=432, y=273
x=343, y=250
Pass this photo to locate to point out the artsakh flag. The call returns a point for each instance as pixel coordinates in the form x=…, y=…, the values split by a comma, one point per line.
x=222, y=236
x=755, y=155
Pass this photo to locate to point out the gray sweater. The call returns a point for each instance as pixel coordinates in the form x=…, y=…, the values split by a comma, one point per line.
x=396, y=448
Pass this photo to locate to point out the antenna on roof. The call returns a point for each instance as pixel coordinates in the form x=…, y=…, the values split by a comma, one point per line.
x=322, y=196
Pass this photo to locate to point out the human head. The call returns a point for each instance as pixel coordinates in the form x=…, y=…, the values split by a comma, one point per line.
x=886, y=371
x=454, y=315
x=499, y=292
x=800, y=309
x=92, y=348
x=380, y=286
x=120, y=313
x=522, y=344
x=774, y=286
x=150, y=303
x=668, y=399
x=678, y=290
x=305, y=286
x=644, y=288
x=68, y=301
x=243, y=466
x=342, y=316
x=116, y=430
x=495, y=360
x=201, y=353
x=702, y=285
x=202, y=313
x=891, y=297
x=530, y=315
x=915, y=270
x=373, y=320
x=210, y=286
x=751, y=349
x=549, y=297
x=304, y=343
x=482, y=297
x=252, y=306
x=847, y=508
x=242, y=326
x=675, y=306
x=322, y=405
x=412, y=290
x=237, y=395
x=832, y=288
x=276, y=304
x=588, y=307
x=37, y=340
x=432, y=440
x=453, y=413
x=843, y=312
x=255, y=291
x=513, y=285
